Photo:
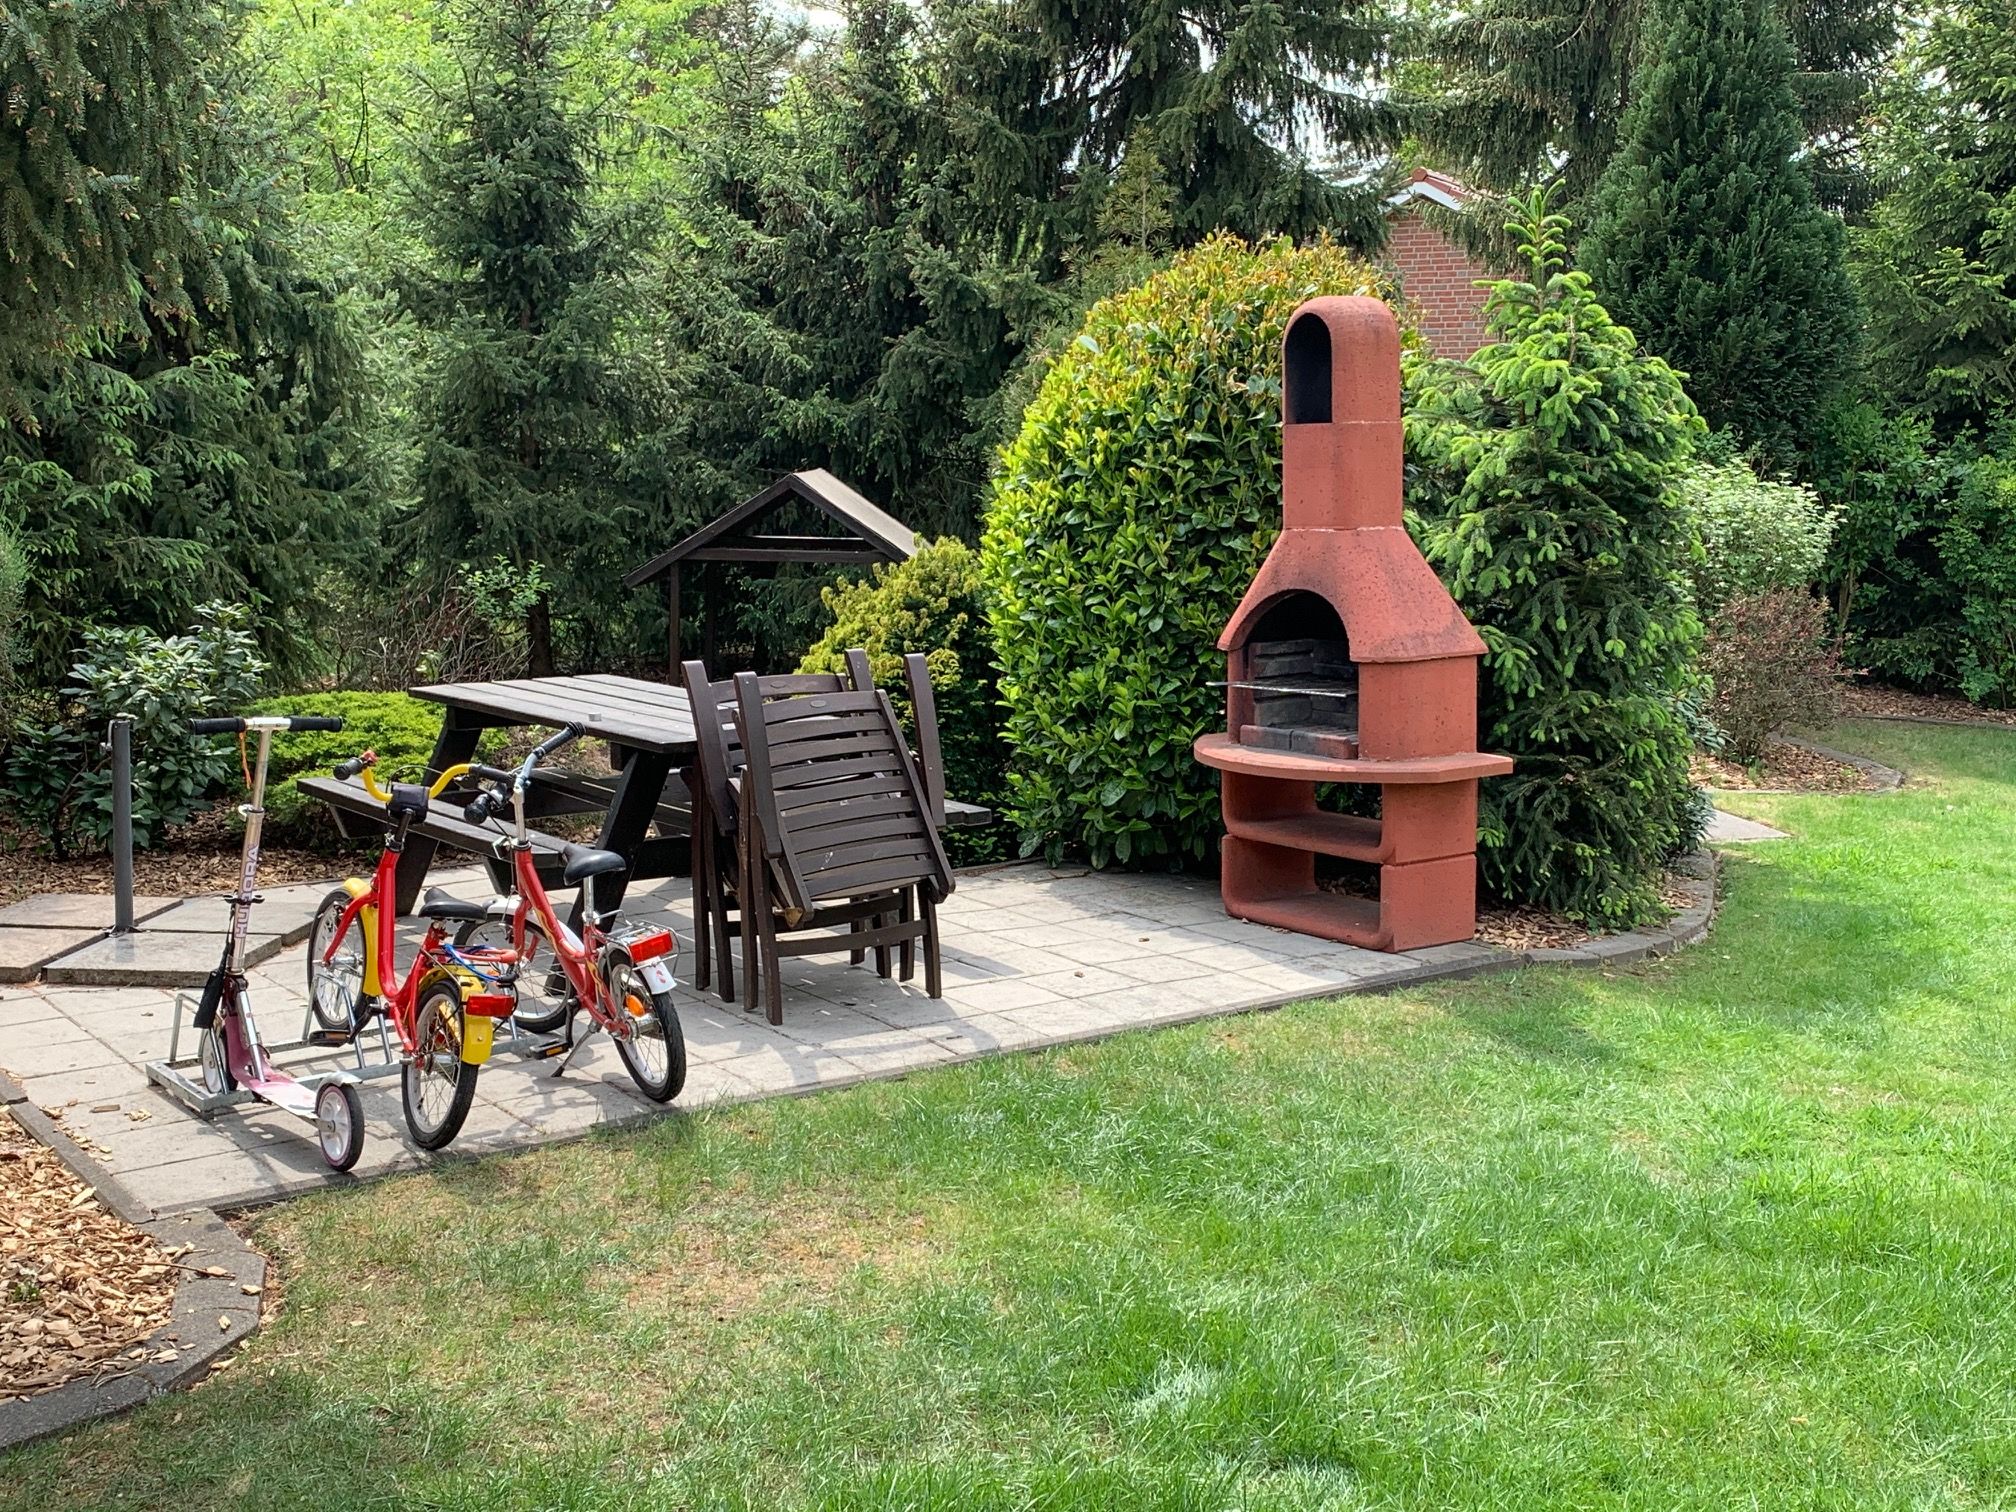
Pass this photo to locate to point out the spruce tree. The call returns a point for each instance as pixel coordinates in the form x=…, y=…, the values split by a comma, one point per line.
x=526, y=400
x=105, y=111
x=1938, y=260
x=1521, y=89
x=841, y=308
x=1239, y=95
x=1542, y=472
x=203, y=447
x=1705, y=240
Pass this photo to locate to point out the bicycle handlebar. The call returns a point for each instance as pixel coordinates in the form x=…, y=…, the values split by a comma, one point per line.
x=488, y=804
x=292, y=723
x=568, y=733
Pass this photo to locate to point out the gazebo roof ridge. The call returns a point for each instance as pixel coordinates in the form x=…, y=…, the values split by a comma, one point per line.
x=873, y=534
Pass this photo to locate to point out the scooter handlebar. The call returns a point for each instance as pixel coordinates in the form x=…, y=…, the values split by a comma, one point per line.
x=292, y=723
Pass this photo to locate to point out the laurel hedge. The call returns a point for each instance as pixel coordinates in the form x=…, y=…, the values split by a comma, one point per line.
x=1126, y=520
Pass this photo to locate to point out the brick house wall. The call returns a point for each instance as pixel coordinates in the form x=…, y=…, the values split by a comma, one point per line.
x=1438, y=278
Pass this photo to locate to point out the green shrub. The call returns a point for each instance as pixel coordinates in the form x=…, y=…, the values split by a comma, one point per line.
x=1128, y=518
x=1923, y=566
x=1756, y=533
x=930, y=604
x=400, y=728
x=57, y=773
x=1544, y=470
x=1978, y=548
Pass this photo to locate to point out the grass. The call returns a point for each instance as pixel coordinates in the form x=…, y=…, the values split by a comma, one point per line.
x=1733, y=1230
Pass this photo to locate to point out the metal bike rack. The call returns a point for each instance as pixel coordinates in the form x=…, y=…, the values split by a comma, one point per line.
x=171, y=1075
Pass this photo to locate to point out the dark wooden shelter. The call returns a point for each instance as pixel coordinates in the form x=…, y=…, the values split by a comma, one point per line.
x=866, y=534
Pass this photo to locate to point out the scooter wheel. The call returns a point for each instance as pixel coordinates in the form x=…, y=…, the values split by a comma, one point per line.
x=339, y=1124
x=213, y=1056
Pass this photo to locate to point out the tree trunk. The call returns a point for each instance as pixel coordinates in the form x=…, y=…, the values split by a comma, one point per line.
x=539, y=638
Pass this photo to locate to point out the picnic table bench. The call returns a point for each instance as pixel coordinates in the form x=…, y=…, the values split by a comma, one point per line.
x=649, y=730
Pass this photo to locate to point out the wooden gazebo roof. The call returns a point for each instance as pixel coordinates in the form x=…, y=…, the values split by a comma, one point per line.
x=872, y=535
x=867, y=534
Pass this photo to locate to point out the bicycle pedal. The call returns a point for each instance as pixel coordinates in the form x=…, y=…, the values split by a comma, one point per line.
x=546, y=1052
x=329, y=1039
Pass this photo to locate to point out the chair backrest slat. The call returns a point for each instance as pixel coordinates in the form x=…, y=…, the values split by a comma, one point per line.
x=924, y=716
x=718, y=742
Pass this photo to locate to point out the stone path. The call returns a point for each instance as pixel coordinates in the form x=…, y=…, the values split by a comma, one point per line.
x=1725, y=828
x=1033, y=957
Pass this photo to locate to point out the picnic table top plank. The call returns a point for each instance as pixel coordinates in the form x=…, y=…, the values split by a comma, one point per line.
x=625, y=710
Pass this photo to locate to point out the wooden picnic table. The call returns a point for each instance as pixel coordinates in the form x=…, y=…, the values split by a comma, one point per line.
x=649, y=729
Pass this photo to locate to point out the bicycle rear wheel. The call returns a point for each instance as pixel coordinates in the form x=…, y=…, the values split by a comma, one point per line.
x=655, y=1048
x=436, y=1087
x=336, y=987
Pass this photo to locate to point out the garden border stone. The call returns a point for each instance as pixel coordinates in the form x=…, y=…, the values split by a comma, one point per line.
x=214, y=1314
x=1887, y=779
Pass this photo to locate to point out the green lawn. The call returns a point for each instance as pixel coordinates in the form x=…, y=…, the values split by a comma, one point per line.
x=1733, y=1230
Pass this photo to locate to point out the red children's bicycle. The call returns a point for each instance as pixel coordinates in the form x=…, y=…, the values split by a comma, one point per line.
x=444, y=1009
x=620, y=975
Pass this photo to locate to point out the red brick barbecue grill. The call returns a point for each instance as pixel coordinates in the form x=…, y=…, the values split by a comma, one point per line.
x=1348, y=662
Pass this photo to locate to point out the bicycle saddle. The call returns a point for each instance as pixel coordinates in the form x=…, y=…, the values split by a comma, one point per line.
x=436, y=904
x=578, y=863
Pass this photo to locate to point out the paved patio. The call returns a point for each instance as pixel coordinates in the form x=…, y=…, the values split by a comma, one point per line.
x=1034, y=957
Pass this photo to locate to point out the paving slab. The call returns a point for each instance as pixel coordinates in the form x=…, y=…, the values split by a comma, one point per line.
x=1725, y=828
x=25, y=950
x=1034, y=956
x=150, y=959
x=288, y=912
x=92, y=911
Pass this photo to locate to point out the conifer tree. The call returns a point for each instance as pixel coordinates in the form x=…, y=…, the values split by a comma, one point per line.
x=1531, y=88
x=1239, y=94
x=1542, y=471
x=1705, y=240
x=851, y=294
x=104, y=107
x=525, y=398
x=1938, y=260
x=204, y=444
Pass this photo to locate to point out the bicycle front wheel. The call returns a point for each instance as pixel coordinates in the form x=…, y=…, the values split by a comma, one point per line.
x=436, y=1085
x=654, y=1049
x=545, y=996
x=336, y=985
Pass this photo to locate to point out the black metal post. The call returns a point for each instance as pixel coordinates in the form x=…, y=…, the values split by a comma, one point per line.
x=122, y=824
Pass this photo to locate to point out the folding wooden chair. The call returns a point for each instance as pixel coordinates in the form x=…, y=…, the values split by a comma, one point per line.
x=836, y=830
x=716, y=819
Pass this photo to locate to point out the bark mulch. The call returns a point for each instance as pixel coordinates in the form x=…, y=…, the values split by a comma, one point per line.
x=199, y=857
x=1785, y=768
x=1870, y=701
x=1512, y=926
x=83, y=1290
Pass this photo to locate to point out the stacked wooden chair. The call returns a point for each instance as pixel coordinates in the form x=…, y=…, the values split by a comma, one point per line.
x=812, y=816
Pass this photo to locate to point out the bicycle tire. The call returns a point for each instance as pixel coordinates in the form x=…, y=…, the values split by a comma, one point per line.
x=624, y=983
x=437, y=1025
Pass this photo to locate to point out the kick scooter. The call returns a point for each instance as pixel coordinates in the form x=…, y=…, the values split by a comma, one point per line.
x=234, y=1062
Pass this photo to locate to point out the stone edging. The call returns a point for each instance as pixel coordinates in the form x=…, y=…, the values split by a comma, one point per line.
x=1885, y=779
x=213, y=1314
